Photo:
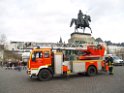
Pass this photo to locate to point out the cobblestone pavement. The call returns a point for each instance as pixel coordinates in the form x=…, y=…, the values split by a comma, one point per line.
x=12, y=81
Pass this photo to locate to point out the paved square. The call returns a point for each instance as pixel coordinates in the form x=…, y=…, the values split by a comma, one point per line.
x=12, y=81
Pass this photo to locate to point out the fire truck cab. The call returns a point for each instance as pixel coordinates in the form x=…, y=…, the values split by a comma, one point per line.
x=45, y=63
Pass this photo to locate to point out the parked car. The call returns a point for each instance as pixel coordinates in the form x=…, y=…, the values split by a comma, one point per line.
x=117, y=60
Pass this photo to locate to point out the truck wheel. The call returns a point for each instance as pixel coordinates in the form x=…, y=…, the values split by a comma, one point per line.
x=44, y=75
x=91, y=71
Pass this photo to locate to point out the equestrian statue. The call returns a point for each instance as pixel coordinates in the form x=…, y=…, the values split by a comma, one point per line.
x=81, y=22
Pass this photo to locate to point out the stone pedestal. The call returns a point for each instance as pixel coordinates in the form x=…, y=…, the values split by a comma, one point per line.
x=81, y=38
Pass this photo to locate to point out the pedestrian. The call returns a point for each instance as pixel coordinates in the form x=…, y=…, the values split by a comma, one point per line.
x=19, y=66
x=109, y=61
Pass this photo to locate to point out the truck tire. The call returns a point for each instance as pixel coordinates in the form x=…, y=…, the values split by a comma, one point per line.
x=44, y=75
x=92, y=71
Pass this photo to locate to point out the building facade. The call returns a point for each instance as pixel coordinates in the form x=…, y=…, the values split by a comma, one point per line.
x=117, y=50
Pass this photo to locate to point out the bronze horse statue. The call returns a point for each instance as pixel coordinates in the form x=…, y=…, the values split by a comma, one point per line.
x=82, y=24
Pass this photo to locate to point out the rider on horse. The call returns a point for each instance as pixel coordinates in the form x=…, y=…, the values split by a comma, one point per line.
x=80, y=17
x=82, y=22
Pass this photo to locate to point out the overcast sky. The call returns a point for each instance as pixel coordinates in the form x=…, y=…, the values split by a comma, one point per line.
x=47, y=20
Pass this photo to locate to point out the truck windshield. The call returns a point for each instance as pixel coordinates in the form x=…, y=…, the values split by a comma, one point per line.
x=37, y=55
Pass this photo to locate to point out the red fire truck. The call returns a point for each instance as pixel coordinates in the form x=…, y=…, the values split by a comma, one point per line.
x=45, y=63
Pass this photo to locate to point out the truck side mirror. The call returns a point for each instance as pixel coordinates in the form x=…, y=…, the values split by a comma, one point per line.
x=34, y=57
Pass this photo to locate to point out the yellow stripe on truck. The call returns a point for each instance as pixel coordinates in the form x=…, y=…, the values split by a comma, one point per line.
x=37, y=68
x=34, y=68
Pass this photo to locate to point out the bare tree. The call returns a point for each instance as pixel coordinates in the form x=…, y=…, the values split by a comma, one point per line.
x=2, y=46
x=3, y=39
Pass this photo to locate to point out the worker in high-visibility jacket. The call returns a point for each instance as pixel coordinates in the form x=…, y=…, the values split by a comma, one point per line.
x=110, y=64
